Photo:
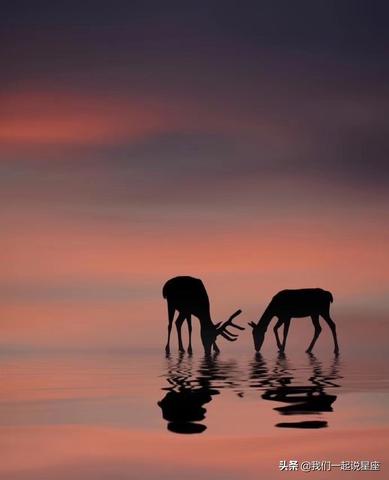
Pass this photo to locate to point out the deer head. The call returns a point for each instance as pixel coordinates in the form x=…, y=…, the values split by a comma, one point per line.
x=208, y=336
x=258, y=335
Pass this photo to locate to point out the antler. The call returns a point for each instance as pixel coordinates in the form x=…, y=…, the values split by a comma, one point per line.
x=222, y=330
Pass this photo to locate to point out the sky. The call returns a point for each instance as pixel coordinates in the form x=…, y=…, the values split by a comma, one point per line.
x=245, y=143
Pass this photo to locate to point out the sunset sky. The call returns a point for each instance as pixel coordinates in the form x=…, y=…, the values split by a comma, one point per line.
x=245, y=143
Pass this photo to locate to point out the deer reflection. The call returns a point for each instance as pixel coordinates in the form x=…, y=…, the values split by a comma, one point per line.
x=183, y=405
x=307, y=399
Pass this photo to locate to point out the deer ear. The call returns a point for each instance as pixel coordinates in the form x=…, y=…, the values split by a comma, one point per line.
x=252, y=324
x=217, y=325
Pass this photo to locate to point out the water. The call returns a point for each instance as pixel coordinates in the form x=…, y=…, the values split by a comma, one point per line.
x=138, y=415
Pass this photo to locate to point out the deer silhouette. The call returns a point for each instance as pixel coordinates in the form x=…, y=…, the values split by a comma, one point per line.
x=288, y=304
x=189, y=297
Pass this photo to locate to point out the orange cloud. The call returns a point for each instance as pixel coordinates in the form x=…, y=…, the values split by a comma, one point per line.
x=29, y=118
x=46, y=118
x=73, y=249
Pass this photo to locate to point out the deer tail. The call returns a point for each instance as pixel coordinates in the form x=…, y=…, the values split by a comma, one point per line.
x=330, y=297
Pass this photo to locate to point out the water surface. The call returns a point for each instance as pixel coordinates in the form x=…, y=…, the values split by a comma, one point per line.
x=135, y=415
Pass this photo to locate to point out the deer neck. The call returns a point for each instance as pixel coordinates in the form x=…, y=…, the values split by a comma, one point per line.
x=266, y=318
x=206, y=322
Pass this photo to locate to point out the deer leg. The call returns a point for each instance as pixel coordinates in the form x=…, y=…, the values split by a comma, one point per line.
x=189, y=320
x=170, y=310
x=179, y=322
x=332, y=326
x=286, y=330
x=316, y=324
x=275, y=329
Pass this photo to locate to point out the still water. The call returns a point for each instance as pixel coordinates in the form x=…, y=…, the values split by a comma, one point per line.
x=142, y=415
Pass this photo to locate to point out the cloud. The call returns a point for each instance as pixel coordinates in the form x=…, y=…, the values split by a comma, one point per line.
x=61, y=118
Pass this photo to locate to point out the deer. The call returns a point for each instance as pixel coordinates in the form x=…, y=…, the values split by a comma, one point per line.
x=288, y=304
x=188, y=296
